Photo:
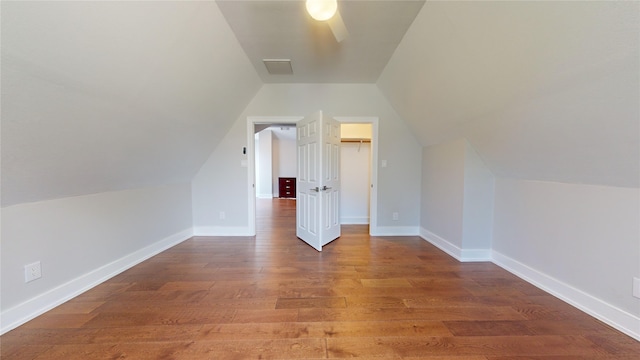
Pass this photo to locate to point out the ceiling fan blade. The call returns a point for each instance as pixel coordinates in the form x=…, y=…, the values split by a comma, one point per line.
x=337, y=27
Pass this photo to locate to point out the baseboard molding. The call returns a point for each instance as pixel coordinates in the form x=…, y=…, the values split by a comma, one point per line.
x=20, y=314
x=442, y=244
x=354, y=220
x=603, y=311
x=476, y=255
x=222, y=231
x=264, y=196
x=462, y=255
x=609, y=314
x=394, y=231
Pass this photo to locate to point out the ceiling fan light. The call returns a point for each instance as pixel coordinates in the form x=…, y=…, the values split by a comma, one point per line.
x=322, y=10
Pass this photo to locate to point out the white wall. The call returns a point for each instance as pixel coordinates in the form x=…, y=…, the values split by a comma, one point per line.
x=355, y=175
x=284, y=160
x=457, y=200
x=443, y=191
x=543, y=90
x=221, y=186
x=82, y=241
x=478, y=201
x=397, y=146
x=356, y=131
x=580, y=242
x=113, y=95
x=264, y=164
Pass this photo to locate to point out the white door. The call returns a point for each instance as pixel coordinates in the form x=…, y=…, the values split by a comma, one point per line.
x=318, y=197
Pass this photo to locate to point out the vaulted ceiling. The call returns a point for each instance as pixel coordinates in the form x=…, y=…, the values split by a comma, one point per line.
x=543, y=90
x=107, y=95
x=284, y=30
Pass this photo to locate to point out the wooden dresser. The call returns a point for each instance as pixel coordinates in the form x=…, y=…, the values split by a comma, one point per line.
x=287, y=187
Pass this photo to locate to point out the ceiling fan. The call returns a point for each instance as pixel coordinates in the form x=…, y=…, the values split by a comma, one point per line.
x=327, y=11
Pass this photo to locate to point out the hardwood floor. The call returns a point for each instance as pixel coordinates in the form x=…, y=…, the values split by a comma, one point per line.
x=274, y=297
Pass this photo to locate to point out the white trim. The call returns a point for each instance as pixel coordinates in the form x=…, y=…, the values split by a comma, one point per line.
x=462, y=255
x=21, y=313
x=476, y=255
x=442, y=244
x=611, y=315
x=373, y=197
x=395, y=231
x=264, y=196
x=251, y=169
x=360, y=220
x=251, y=165
x=223, y=231
x=601, y=310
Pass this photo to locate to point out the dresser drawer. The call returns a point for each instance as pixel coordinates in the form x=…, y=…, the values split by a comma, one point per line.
x=287, y=187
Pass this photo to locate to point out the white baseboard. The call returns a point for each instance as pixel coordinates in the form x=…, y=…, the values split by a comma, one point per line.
x=264, y=196
x=476, y=255
x=394, y=231
x=222, y=231
x=442, y=244
x=462, y=255
x=605, y=312
x=20, y=314
x=354, y=220
x=617, y=318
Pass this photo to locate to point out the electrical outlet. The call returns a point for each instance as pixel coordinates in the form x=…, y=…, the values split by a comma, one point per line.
x=223, y=215
x=395, y=216
x=32, y=272
x=636, y=287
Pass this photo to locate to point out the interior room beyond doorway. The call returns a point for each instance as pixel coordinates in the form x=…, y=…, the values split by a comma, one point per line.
x=275, y=165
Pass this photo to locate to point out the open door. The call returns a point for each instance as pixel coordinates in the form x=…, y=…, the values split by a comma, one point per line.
x=318, y=187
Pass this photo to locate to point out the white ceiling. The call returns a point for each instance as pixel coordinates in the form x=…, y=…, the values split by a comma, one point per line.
x=100, y=96
x=543, y=90
x=108, y=95
x=284, y=30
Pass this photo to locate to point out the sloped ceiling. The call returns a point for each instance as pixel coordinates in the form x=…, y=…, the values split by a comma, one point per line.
x=100, y=96
x=543, y=90
x=282, y=29
x=108, y=95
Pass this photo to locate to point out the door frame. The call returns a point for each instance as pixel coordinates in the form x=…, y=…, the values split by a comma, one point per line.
x=251, y=163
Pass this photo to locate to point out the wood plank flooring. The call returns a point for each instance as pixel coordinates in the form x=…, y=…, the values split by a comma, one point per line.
x=274, y=297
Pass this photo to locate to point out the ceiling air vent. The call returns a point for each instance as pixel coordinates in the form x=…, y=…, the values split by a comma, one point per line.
x=278, y=66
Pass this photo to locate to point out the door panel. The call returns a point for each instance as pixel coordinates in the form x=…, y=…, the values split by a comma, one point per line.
x=318, y=207
x=308, y=203
x=331, y=180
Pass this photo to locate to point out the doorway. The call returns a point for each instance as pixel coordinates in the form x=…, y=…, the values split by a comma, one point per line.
x=260, y=122
x=355, y=172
